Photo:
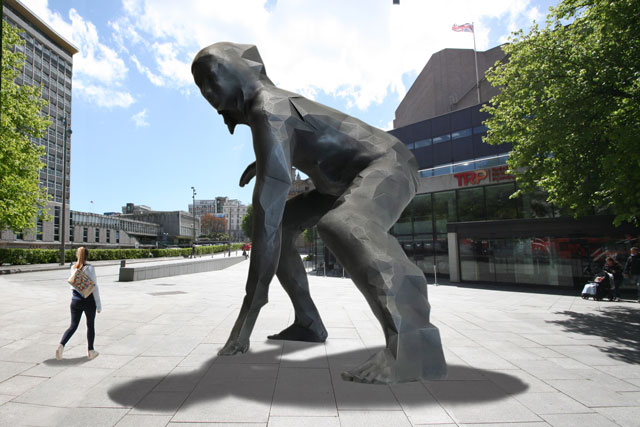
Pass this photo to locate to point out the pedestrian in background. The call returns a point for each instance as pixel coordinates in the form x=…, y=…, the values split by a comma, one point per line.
x=80, y=304
x=620, y=255
x=632, y=268
x=613, y=267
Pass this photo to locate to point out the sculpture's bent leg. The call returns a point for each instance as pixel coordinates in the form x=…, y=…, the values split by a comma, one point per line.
x=396, y=289
x=301, y=212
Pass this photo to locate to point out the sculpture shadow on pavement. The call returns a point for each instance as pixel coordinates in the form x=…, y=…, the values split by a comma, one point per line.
x=240, y=376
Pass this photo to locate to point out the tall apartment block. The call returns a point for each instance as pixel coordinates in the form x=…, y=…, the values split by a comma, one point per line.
x=232, y=209
x=48, y=62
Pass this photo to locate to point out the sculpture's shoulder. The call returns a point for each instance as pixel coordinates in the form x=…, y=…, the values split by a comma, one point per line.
x=272, y=101
x=274, y=106
x=276, y=101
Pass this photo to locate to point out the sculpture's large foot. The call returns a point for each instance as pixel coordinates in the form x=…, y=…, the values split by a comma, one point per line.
x=377, y=370
x=420, y=357
x=297, y=332
x=233, y=347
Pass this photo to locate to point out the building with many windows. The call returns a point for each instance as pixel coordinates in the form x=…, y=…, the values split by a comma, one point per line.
x=463, y=223
x=203, y=207
x=111, y=231
x=48, y=62
x=232, y=209
x=174, y=227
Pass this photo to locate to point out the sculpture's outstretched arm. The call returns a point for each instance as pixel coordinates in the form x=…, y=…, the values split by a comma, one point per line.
x=273, y=181
x=248, y=174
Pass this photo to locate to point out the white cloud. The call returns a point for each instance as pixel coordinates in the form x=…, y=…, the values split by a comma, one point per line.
x=95, y=60
x=103, y=96
x=140, y=119
x=153, y=78
x=534, y=14
x=123, y=34
x=177, y=72
x=388, y=126
x=356, y=50
x=98, y=71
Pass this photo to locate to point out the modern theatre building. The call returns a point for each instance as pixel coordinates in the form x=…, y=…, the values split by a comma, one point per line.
x=462, y=223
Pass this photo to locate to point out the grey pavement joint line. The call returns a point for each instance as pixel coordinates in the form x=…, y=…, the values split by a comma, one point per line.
x=275, y=383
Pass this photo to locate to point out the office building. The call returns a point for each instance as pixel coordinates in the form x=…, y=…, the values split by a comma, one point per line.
x=231, y=209
x=204, y=207
x=111, y=231
x=234, y=211
x=48, y=62
x=174, y=227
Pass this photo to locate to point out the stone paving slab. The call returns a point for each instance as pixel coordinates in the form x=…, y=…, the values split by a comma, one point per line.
x=515, y=358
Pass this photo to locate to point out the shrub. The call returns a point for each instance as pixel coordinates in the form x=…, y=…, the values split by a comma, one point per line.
x=20, y=256
x=33, y=256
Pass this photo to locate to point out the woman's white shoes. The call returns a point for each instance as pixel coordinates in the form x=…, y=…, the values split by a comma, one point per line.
x=59, y=352
x=92, y=353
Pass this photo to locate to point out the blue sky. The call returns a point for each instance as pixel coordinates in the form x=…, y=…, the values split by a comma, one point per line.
x=142, y=132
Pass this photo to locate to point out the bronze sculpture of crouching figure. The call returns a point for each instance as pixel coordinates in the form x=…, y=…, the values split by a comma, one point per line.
x=363, y=179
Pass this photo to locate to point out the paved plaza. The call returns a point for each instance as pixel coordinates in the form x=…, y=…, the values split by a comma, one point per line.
x=515, y=358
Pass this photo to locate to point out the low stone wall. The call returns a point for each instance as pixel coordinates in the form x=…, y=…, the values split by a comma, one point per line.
x=177, y=268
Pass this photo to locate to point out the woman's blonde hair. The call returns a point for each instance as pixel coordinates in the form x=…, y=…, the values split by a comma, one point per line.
x=82, y=253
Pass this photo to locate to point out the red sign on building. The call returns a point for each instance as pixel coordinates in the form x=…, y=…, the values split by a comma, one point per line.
x=497, y=174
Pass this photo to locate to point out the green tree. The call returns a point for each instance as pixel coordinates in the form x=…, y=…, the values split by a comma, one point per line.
x=218, y=236
x=21, y=197
x=570, y=104
x=307, y=234
x=247, y=222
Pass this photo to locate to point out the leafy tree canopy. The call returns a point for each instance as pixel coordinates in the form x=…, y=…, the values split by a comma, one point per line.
x=213, y=224
x=217, y=236
x=570, y=104
x=21, y=197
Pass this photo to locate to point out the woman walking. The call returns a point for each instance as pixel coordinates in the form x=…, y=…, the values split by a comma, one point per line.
x=80, y=305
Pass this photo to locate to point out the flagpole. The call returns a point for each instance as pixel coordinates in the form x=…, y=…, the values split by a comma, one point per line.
x=475, y=56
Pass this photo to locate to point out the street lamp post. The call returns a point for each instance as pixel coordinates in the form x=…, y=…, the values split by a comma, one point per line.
x=194, y=214
x=63, y=220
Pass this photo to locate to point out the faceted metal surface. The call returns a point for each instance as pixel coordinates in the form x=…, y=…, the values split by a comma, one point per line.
x=364, y=178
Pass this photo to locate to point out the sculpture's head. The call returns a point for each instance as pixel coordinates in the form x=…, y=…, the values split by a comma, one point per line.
x=228, y=75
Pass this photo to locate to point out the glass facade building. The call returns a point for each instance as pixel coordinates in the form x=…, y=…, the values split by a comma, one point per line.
x=422, y=227
x=463, y=223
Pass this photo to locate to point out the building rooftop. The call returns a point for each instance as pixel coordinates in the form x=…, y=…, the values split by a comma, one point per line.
x=42, y=26
x=447, y=83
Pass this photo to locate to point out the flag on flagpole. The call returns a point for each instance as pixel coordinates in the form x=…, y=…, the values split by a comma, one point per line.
x=464, y=28
x=468, y=28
